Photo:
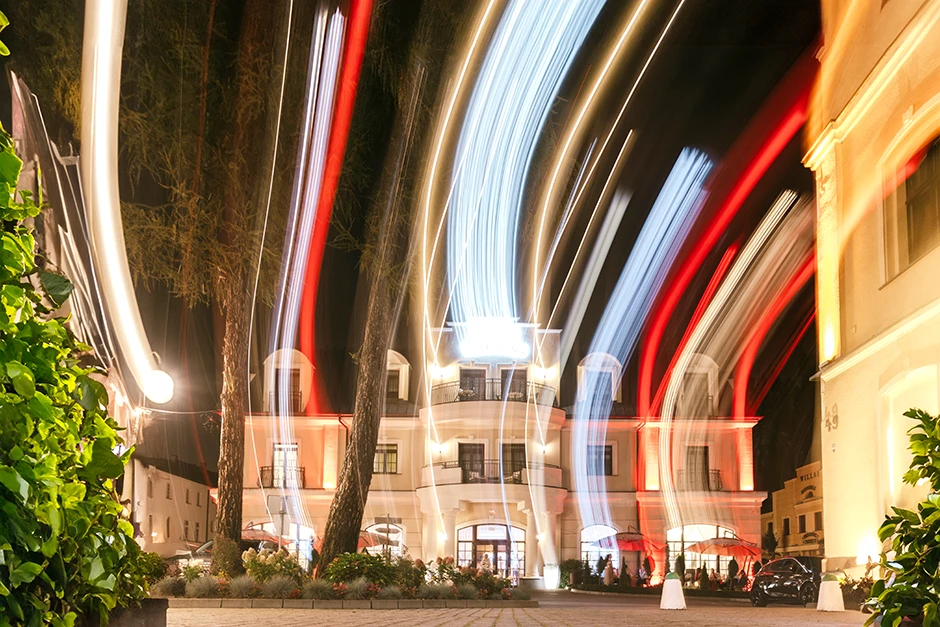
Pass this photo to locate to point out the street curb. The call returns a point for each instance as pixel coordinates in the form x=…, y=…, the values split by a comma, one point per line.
x=378, y=604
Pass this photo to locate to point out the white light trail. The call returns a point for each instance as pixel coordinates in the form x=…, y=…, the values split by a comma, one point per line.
x=101, y=91
x=663, y=233
x=530, y=52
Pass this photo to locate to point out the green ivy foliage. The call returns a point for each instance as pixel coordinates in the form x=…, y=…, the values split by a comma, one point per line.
x=67, y=553
x=911, y=589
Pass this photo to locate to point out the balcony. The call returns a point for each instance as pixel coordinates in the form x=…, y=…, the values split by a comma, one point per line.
x=490, y=471
x=699, y=480
x=517, y=391
x=281, y=477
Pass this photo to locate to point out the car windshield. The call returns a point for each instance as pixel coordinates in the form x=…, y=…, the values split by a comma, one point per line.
x=812, y=564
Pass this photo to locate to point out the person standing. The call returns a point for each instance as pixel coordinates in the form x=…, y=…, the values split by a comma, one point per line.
x=599, y=567
x=732, y=572
x=608, y=572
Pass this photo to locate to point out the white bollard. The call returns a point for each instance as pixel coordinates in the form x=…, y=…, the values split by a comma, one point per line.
x=830, y=595
x=673, y=598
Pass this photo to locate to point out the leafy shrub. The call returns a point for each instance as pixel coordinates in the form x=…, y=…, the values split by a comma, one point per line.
x=390, y=593
x=349, y=566
x=192, y=572
x=518, y=594
x=318, y=589
x=203, y=588
x=409, y=573
x=914, y=592
x=443, y=570
x=67, y=549
x=169, y=587
x=437, y=591
x=265, y=565
x=566, y=568
x=467, y=591
x=243, y=587
x=339, y=590
x=856, y=591
x=280, y=587
x=361, y=589
x=152, y=567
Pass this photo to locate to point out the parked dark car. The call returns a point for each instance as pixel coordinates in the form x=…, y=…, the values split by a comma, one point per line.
x=787, y=580
x=251, y=539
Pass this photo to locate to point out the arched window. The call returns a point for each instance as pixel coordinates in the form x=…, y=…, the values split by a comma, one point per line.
x=397, y=371
x=599, y=541
x=490, y=543
x=391, y=537
x=599, y=374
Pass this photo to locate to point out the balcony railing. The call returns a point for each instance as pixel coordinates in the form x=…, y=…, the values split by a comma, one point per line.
x=294, y=402
x=516, y=391
x=281, y=477
x=492, y=470
x=699, y=480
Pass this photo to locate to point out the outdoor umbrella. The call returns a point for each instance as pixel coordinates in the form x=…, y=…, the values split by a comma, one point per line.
x=367, y=539
x=727, y=547
x=631, y=540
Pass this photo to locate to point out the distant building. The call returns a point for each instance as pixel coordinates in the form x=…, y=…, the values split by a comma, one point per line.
x=172, y=508
x=876, y=156
x=796, y=519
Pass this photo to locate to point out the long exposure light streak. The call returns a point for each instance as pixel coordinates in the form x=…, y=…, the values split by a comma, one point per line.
x=502, y=123
x=101, y=93
x=781, y=361
x=794, y=88
x=360, y=12
x=323, y=68
x=574, y=130
x=752, y=346
x=719, y=306
x=659, y=241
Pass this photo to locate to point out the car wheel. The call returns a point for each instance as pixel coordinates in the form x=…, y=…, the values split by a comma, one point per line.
x=758, y=598
x=807, y=594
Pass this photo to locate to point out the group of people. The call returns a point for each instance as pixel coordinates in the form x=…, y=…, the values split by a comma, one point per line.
x=609, y=575
x=735, y=579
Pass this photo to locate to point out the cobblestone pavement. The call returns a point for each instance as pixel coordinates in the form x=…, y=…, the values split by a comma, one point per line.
x=639, y=614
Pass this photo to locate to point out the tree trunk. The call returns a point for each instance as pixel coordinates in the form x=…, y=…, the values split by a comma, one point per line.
x=387, y=270
x=234, y=401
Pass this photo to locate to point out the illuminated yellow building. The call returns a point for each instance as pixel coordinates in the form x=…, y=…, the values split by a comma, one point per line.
x=797, y=516
x=876, y=157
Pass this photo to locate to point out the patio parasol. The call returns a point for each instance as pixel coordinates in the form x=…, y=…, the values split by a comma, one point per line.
x=367, y=539
x=727, y=547
x=631, y=540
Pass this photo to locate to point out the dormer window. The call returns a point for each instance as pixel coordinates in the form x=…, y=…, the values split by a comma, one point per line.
x=599, y=377
x=397, y=371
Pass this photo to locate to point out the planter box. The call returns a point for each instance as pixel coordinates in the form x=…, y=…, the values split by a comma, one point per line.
x=267, y=603
x=236, y=602
x=477, y=603
x=385, y=604
x=296, y=604
x=195, y=603
x=357, y=605
x=327, y=605
x=456, y=603
x=435, y=603
x=410, y=604
x=511, y=604
x=151, y=613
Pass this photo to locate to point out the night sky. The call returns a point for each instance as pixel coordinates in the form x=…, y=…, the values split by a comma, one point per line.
x=714, y=71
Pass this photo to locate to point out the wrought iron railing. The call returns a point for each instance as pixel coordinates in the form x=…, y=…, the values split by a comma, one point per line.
x=515, y=390
x=294, y=402
x=281, y=477
x=701, y=480
x=492, y=470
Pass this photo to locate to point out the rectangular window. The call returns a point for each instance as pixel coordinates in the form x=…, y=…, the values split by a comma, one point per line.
x=150, y=537
x=470, y=460
x=912, y=211
x=786, y=526
x=386, y=459
x=187, y=496
x=818, y=521
x=285, y=472
x=168, y=490
x=186, y=530
x=513, y=458
x=197, y=532
x=472, y=384
x=513, y=384
x=801, y=523
x=198, y=495
x=287, y=392
x=770, y=527
x=167, y=536
x=392, y=383
x=149, y=488
x=600, y=460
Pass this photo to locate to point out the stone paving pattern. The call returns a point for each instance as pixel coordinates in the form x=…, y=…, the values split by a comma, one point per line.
x=641, y=615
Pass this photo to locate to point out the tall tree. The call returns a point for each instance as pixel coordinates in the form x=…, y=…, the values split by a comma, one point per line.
x=404, y=78
x=201, y=87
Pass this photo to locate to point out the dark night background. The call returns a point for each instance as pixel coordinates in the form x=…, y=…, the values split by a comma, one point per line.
x=721, y=61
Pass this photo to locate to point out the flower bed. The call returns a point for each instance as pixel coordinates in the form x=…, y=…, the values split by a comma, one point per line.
x=352, y=580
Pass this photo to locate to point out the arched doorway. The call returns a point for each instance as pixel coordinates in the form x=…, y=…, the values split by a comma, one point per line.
x=598, y=541
x=504, y=548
